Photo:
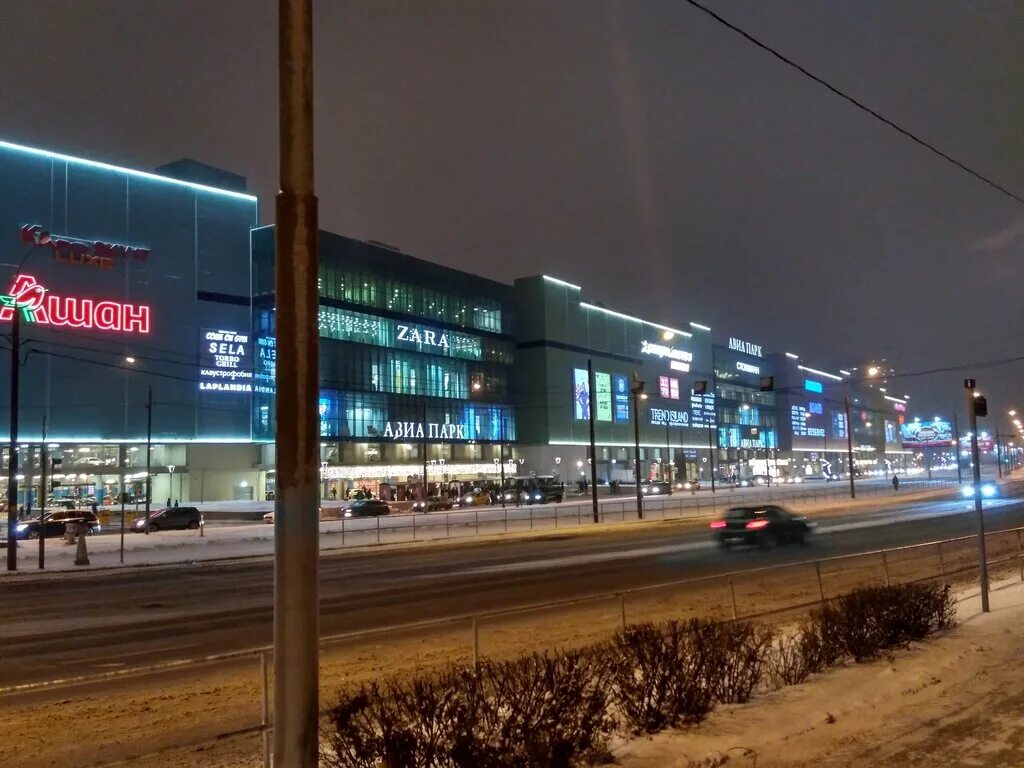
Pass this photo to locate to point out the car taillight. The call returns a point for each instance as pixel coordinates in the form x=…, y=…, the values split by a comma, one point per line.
x=755, y=524
x=718, y=524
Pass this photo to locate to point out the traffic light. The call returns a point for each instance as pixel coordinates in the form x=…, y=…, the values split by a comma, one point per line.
x=980, y=406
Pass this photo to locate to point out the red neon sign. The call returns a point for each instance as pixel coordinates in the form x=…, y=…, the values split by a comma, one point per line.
x=40, y=307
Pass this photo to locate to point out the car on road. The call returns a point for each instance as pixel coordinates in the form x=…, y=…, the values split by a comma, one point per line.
x=365, y=508
x=687, y=485
x=762, y=526
x=55, y=524
x=988, y=490
x=475, y=498
x=170, y=519
x=432, y=504
x=656, y=488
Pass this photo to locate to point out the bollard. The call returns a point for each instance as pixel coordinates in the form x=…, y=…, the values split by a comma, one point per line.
x=69, y=534
x=885, y=567
x=82, y=553
x=732, y=599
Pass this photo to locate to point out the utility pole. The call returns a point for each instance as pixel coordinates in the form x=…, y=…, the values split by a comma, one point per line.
x=43, y=459
x=501, y=458
x=976, y=403
x=849, y=444
x=12, y=458
x=296, y=519
x=426, y=431
x=999, y=457
x=638, y=392
x=149, y=452
x=956, y=435
x=593, y=449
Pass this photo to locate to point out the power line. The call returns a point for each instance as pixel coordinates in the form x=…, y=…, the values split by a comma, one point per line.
x=861, y=106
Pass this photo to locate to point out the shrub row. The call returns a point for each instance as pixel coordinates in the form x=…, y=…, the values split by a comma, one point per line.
x=556, y=710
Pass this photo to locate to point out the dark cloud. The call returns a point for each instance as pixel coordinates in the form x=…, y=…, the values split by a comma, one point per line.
x=639, y=149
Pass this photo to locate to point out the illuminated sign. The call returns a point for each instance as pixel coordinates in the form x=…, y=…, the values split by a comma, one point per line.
x=738, y=345
x=266, y=362
x=417, y=430
x=37, y=305
x=622, y=395
x=668, y=417
x=580, y=394
x=813, y=386
x=702, y=410
x=798, y=418
x=602, y=397
x=668, y=387
x=224, y=361
x=747, y=368
x=72, y=250
x=680, y=358
x=425, y=336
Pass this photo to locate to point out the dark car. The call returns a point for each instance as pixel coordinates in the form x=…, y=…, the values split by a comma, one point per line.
x=170, y=519
x=544, y=494
x=656, y=488
x=55, y=524
x=432, y=504
x=760, y=526
x=366, y=508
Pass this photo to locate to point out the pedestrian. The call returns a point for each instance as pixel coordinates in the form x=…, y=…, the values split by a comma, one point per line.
x=168, y=502
x=895, y=483
x=175, y=503
x=21, y=513
x=334, y=493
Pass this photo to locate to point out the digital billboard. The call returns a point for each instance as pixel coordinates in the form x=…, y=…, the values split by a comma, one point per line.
x=622, y=396
x=603, y=396
x=580, y=394
x=923, y=434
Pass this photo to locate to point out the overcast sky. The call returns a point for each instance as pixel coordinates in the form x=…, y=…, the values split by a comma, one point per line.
x=637, y=148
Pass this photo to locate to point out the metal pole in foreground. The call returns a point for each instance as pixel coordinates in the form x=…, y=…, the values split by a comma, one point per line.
x=956, y=436
x=593, y=448
x=637, y=389
x=849, y=445
x=43, y=459
x=296, y=526
x=12, y=457
x=972, y=413
x=149, y=453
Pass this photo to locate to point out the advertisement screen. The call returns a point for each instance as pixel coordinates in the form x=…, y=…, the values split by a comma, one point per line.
x=225, y=361
x=580, y=394
x=603, y=396
x=839, y=425
x=702, y=410
x=919, y=434
x=621, y=397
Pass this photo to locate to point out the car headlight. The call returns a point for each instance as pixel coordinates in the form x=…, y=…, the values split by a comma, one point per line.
x=537, y=497
x=655, y=489
x=988, y=490
x=22, y=527
x=645, y=490
x=967, y=491
x=348, y=513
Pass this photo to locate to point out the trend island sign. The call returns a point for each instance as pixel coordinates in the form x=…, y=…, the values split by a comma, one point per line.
x=37, y=305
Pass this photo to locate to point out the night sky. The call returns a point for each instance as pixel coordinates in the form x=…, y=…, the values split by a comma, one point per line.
x=637, y=148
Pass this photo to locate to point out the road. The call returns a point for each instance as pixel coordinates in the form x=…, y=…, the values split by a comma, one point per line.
x=94, y=622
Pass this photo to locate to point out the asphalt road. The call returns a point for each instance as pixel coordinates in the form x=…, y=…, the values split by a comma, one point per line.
x=82, y=623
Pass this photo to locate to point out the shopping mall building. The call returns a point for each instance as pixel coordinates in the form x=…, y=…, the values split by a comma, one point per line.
x=134, y=287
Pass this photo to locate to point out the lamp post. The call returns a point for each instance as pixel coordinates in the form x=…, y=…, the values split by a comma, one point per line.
x=637, y=390
x=976, y=406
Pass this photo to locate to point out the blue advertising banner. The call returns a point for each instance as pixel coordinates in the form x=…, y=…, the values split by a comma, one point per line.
x=621, y=397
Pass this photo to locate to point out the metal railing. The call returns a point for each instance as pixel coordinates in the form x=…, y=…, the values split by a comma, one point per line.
x=820, y=579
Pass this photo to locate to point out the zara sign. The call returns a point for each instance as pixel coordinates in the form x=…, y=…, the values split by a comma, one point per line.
x=428, y=337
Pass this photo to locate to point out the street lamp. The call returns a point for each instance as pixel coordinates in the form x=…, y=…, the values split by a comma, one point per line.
x=873, y=370
x=637, y=390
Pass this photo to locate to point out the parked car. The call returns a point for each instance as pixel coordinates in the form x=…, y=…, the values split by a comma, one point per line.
x=760, y=526
x=656, y=488
x=475, y=498
x=432, y=504
x=170, y=519
x=366, y=508
x=55, y=524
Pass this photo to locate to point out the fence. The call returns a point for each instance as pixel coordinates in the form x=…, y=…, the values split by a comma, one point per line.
x=778, y=591
x=494, y=519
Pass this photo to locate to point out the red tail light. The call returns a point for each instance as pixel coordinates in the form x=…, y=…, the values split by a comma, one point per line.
x=718, y=524
x=755, y=524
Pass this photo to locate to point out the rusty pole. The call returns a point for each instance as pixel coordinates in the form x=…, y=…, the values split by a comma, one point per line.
x=296, y=525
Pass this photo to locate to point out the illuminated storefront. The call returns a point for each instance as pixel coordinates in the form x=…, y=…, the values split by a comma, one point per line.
x=414, y=362
x=123, y=280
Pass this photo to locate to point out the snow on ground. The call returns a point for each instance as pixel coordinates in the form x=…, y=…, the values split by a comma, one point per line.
x=957, y=700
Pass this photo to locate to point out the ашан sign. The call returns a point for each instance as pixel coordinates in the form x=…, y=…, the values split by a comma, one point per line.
x=40, y=307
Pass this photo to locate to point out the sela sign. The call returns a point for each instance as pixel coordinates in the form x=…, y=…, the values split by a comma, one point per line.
x=425, y=336
x=738, y=345
x=75, y=251
x=224, y=361
x=680, y=358
x=409, y=430
x=40, y=307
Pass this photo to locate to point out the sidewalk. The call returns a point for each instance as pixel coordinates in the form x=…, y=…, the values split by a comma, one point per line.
x=954, y=701
x=223, y=542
